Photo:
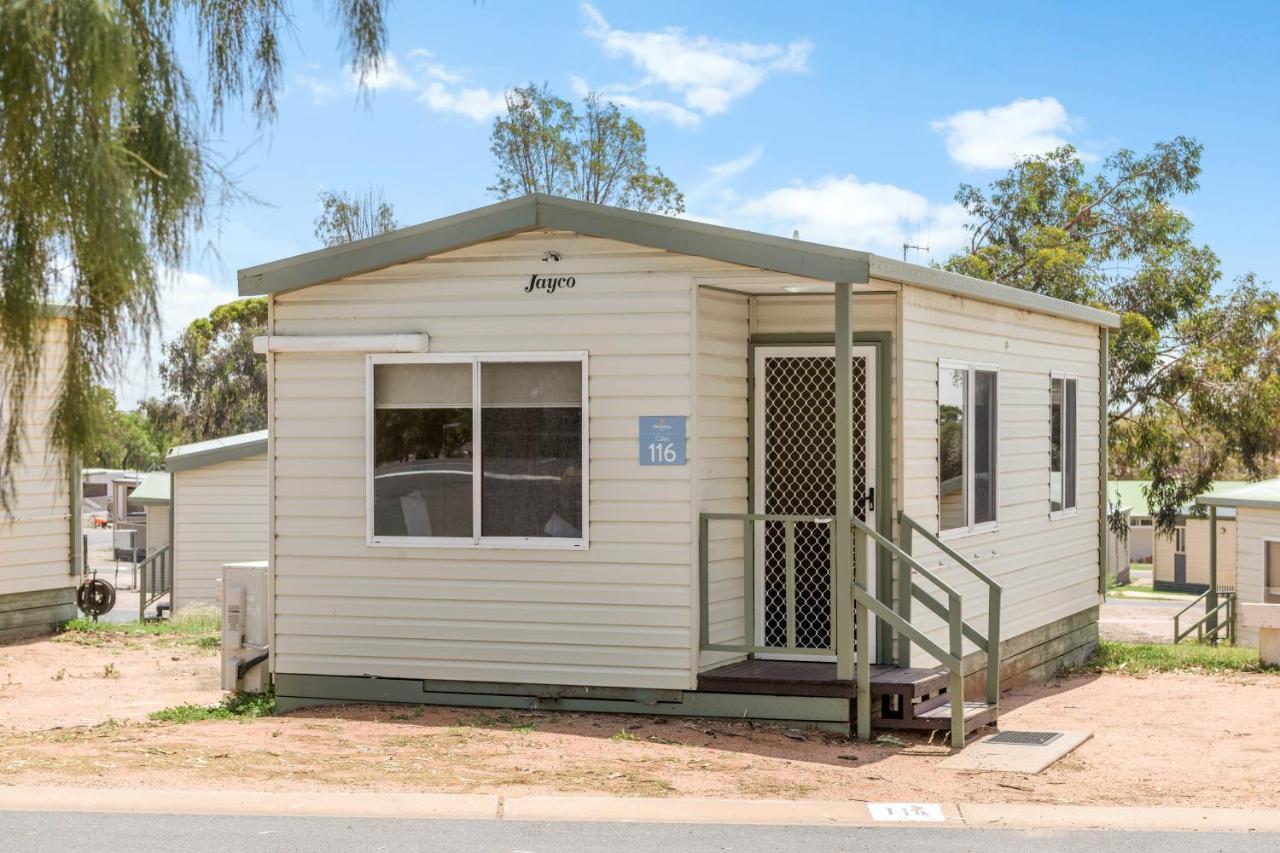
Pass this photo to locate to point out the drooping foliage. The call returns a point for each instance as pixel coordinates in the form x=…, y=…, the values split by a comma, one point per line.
x=544, y=145
x=106, y=171
x=1194, y=368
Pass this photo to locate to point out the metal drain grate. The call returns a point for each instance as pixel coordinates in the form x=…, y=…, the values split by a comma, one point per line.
x=1024, y=738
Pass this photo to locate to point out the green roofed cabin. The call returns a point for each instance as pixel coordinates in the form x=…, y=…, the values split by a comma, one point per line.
x=219, y=513
x=554, y=454
x=1249, y=611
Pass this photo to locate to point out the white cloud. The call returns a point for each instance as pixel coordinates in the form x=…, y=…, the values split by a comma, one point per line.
x=732, y=168
x=846, y=211
x=995, y=138
x=321, y=90
x=707, y=74
x=432, y=83
x=474, y=103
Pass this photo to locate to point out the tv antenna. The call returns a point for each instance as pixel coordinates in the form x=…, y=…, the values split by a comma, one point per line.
x=907, y=245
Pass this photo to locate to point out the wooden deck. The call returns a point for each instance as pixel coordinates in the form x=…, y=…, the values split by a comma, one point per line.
x=815, y=678
x=904, y=697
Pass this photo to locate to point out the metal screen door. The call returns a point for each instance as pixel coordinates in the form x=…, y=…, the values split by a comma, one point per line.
x=795, y=474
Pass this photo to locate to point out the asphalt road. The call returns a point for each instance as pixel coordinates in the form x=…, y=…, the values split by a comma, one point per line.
x=58, y=832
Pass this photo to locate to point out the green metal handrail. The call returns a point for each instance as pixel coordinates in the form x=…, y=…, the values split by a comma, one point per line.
x=155, y=579
x=1208, y=623
x=748, y=520
x=952, y=658
x=991, y=643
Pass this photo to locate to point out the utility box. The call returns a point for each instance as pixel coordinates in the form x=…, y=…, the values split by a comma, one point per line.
x=245, y=650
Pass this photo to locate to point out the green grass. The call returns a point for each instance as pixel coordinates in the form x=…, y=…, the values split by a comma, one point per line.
x=197, y=627
x=234, y=707
x=1142, y=658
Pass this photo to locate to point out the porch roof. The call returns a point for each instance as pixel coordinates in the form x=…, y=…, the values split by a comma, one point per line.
x=682, y=236
x=1264, y=494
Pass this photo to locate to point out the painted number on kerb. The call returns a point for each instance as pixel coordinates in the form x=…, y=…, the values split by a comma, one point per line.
x=662, y=439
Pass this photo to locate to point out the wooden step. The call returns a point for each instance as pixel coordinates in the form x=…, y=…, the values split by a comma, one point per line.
x=909, y=682
x=935, y=715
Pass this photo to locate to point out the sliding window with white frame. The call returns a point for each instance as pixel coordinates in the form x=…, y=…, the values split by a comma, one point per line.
x=968, y=407
x=483, y=450
x=1063, y=437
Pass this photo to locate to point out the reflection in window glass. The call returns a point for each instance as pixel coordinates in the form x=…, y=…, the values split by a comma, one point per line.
x=984, y=446
x=1069, y=446
x=1055, y=445
x=422, y=450
x=953, y=391
x=1271, y=595
x=531, y=449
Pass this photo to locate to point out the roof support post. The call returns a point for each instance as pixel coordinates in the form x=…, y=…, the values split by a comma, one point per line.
x=1211, y=604
x=845, y=617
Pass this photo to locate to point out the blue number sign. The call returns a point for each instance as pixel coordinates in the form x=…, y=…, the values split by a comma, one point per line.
x=662, y=439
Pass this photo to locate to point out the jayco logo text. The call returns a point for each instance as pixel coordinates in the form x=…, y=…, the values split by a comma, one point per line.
x=548, y=284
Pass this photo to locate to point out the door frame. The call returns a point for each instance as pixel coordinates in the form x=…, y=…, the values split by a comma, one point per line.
x=872, y=461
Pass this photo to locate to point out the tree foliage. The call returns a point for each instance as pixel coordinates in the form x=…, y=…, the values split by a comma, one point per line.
x=214, y=382
x=345, y=217
x=126, y=440
x=544, y=145
x=1195, y=369
x=106, y=171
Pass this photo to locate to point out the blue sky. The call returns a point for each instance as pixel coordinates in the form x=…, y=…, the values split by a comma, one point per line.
x=839, y=120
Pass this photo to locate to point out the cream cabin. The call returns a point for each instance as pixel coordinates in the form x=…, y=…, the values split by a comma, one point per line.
x=40, y=543
x=548, y=453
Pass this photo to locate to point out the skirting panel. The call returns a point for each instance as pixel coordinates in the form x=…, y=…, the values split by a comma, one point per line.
x=1037, y=655
x=26, y=614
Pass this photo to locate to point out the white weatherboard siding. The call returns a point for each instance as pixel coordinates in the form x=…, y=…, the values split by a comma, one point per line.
x=722, y=453
x=1049, y=568
x=620, y=613
x=221, y=517
x=157, y=528
x=35, y=535
x=1253, y=526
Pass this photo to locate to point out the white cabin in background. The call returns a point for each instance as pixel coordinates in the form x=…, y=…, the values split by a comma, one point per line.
x=219, y=506
x=558, y=454
x=40, y=550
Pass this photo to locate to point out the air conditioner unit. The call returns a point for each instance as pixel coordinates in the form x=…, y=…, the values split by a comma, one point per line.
x=245, y=649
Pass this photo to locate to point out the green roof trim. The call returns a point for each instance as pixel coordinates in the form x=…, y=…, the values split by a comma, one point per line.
x=216, y=450
x=1264, y=494
x=682, y=236
x=1128, y=494
x=152, y=491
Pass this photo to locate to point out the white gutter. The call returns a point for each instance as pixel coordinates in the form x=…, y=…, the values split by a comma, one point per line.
x=408, y=342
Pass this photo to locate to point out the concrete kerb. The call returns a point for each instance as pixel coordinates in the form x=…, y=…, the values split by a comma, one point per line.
x=355, y=804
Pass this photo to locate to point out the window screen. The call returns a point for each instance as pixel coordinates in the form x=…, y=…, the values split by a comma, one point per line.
x=422, y=450
x=1271, y=571
x=522, y=433
x=1063, y=432
x=531, y=449
x=953, y=394
x=984, y=447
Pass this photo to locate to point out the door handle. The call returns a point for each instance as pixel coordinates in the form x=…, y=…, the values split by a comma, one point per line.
x=869, y=500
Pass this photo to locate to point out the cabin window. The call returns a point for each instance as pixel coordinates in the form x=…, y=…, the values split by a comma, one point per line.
x=1271, y=571
x=1063, y=432
x=478, y=450
x=968, y=403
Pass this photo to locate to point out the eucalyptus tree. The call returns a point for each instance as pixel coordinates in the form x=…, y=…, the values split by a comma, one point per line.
x=542, y=144
x=1195, y=367
x=107, y=170
x=353, y=216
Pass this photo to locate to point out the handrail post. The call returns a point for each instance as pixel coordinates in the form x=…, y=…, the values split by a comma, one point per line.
x=704, y=583
x=1211, y=605
x=904, y=588
x=142, y=592
x=993, y=645
x=956, y=688
x=749, y=579
x=862, y=617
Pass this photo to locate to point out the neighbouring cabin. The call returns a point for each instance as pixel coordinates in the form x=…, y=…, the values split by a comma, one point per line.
x=219, y=506
x=1254, y=552
x=721, y=473
x=40, y=550
x=152, y=495
x=1181, y=558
